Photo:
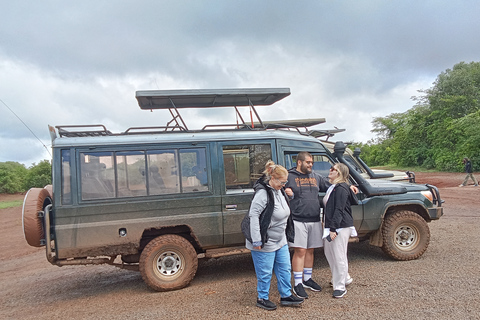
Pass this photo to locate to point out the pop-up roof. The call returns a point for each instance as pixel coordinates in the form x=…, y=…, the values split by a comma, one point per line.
x=208, y=98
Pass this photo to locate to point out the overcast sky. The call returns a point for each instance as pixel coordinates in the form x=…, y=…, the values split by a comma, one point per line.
x=64, y=62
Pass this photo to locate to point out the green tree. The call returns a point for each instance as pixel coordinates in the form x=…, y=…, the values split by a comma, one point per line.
x=39, y=175
x=437, y=132
x=12, y=177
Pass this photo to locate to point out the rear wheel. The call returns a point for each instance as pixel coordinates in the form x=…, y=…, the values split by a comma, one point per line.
x=35, y=201
x=168, y=262
x=405, y=235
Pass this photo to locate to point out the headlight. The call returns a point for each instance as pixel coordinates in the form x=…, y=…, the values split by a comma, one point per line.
x=427, y=194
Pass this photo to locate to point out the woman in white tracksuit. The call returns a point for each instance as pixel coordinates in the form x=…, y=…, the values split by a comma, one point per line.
x=338, y=227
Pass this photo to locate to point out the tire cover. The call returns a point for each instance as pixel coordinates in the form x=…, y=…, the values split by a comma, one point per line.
x=35, y=200
x=49, y=188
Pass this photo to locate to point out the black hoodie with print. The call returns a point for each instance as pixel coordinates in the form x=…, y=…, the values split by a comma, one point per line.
x=305, y=204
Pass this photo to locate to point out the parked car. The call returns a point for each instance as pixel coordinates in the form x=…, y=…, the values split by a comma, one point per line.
x=157, y=199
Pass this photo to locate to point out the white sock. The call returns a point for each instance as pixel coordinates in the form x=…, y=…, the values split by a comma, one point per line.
x=307, y=273
x=297, y=276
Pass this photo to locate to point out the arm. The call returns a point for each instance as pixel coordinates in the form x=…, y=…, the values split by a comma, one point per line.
x=323, y=183
x=259, y=203
x=341, y=198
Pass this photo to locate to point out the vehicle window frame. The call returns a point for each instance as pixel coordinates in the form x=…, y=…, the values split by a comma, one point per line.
x=177, y=149
x=249, y=189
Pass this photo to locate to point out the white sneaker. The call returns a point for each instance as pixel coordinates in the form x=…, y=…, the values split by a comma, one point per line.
x=461, y=185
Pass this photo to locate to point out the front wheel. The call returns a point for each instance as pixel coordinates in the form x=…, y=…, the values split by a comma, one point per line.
x=168, y=262
x=405, y=235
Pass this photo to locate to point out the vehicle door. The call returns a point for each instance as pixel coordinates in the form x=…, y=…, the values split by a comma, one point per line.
x=243, y=164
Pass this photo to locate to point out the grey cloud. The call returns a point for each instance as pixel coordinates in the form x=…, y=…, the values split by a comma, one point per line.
x=81, y=62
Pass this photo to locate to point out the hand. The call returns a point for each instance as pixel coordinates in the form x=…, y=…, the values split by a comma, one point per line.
x=257, y=248
x=333, y=235
x=354, y=189
x=289, y=192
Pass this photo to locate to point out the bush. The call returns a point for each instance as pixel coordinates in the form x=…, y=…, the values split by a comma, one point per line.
x=12, y=177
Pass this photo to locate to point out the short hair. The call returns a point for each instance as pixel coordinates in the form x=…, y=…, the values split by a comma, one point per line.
x=302, y=155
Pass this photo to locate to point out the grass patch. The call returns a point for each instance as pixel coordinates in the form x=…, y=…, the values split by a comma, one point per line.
x=10, y=204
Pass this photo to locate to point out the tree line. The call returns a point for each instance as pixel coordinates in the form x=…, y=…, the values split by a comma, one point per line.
x=440, y=130
x=15, y=177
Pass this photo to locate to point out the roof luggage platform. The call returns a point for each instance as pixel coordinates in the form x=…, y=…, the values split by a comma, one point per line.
x=173, y=100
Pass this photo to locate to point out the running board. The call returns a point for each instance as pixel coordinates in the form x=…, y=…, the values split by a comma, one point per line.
x=221, y=252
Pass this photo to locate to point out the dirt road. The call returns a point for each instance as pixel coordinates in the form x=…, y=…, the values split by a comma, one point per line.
x=443, y=284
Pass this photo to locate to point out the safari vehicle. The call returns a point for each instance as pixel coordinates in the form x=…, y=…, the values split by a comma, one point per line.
x=358, y=164
x=157, y=199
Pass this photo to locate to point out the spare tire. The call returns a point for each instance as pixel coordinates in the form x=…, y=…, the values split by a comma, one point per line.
x=35, y=200
x=49, y=188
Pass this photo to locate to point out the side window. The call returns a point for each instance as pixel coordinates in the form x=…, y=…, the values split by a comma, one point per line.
x=244, y=164
x=66, y=175
x=131, y=173
x=194, y=170
x=97, y=177
x=162, y=172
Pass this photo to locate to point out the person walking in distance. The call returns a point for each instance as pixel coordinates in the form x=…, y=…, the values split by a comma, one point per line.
x=303, y=187
x=469, y=172
x=267, y=228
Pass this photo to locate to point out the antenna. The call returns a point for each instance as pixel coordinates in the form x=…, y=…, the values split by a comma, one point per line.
x=26, y=127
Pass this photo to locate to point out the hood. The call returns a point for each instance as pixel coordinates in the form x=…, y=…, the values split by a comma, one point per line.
x=388, y=184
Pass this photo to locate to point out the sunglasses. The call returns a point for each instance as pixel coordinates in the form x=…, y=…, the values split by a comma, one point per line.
x=282, y=182
x=333, y=169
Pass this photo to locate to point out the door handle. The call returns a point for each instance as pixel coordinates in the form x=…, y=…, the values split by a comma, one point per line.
x=231, y=207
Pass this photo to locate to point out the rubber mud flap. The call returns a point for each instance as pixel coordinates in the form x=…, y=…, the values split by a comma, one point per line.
x=35, y=200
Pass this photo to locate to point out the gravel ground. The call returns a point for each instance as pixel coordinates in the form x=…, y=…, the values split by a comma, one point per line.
x=442, y=284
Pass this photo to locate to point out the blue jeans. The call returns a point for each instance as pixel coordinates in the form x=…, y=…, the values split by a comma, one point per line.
x=267, y=262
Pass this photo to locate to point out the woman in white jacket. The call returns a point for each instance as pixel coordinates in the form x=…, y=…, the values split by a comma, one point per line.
x=338, y=227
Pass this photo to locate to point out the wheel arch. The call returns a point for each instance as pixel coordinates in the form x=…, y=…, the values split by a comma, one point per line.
x=184, y=231
x=414, y=207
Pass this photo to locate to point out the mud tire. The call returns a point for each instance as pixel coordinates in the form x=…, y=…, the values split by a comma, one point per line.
x=405, y=235
x=168, y=262
x=35, y=200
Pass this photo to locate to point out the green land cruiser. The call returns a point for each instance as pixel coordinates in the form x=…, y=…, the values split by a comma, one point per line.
x=157, y=199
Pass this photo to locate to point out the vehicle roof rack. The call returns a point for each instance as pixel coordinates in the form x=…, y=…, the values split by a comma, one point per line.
x=83, y=130
x=173, y=100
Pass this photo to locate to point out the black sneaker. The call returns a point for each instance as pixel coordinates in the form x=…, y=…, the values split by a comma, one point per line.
x=291, y=301
x=266, y=304
x=339, y=293
x=312, y=285
x=300, y=291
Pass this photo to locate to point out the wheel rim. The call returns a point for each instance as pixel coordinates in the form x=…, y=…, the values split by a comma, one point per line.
x=168, y=264
x=406, y=237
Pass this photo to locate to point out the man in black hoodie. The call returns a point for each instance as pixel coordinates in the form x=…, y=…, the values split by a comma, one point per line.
x=303, y=187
